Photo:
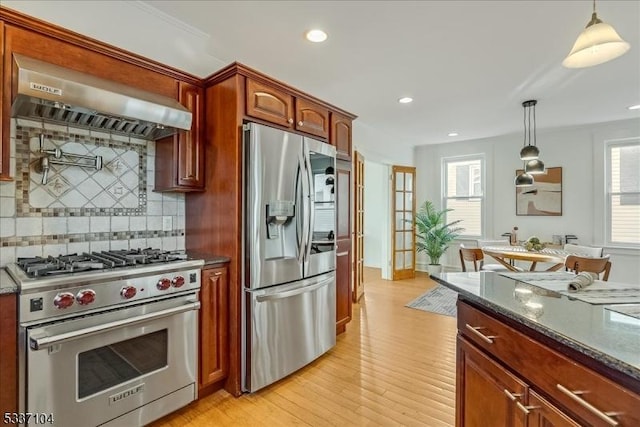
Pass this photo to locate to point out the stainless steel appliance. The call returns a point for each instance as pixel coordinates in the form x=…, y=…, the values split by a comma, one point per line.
x=108, y=338
x=61, y=95
x=289, y=253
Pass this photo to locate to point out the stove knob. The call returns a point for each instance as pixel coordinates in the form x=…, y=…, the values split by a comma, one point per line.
x=164, y=284
x=128, y=292
x=64, y=300
x=177, y=281
x=86, y=296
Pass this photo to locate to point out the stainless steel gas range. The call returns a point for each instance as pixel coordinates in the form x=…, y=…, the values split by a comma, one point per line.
x=108, y=338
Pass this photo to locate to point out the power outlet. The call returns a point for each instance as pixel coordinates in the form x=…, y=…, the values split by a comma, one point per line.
x=167, y=223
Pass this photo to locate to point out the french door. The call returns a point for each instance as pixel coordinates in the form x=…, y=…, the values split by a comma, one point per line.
x=358, y=245
x=403, y=186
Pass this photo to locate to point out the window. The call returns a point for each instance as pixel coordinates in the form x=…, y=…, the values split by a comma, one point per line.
x=623, y=193
x=463, y=184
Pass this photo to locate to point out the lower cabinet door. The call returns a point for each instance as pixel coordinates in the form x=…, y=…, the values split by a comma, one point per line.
x=486, y=392
x=541, y=413
x=343, y=285
x=214, y=318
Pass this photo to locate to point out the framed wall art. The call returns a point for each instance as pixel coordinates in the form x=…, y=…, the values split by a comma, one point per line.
x=544, y=197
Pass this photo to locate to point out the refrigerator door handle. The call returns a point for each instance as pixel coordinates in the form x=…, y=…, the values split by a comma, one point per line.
x=287, y=294
x=304, y=208
x=310, y=200
x=300, y=237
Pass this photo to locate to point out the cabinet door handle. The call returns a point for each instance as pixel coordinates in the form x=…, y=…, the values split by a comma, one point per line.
x=218, y=273
x=525, y=409
x=512, y=396
x=574, y=395
x=290, y=120
x=300, y=123
x=476, y=330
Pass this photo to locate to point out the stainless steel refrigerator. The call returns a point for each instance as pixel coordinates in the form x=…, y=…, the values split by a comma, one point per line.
x=289, y=297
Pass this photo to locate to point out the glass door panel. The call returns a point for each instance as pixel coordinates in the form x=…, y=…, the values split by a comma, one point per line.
x=404, y=229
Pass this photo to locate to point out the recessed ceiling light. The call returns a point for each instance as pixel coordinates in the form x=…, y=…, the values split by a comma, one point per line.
x=634, y=107
x=316, y=36
x=452, y=134
x=405, y=100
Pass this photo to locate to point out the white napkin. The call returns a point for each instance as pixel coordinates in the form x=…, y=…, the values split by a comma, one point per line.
x=581, y=281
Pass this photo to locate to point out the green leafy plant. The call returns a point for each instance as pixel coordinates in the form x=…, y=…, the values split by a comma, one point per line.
x=533, y=243
x=433, y=235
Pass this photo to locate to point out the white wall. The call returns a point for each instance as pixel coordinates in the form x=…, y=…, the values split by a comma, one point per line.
x=376, y=219
x=380, y=148
x=580, y=153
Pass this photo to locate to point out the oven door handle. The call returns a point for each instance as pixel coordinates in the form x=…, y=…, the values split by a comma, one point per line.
x=39, y=343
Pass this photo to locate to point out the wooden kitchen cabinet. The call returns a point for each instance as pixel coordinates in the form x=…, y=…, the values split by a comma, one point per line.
x=340, y=135
x=270, y=104
x=575, y=393
x=5, y=126
x=214, y=324
x=8, y=354
x=180, y=157
x=344, y=258
x=312, y=118
x=491, y=388
x=282, y=108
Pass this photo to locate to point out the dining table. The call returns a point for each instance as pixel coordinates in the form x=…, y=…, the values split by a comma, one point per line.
x=506, y=255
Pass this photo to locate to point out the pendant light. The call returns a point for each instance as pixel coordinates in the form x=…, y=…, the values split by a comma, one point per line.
x=598, y=43
x=530, y=152
x=524, y=180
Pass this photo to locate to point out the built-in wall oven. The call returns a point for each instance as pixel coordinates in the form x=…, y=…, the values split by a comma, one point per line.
x=109, y=348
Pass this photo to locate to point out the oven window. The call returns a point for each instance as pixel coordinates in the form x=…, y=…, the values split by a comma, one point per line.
x=105, y=367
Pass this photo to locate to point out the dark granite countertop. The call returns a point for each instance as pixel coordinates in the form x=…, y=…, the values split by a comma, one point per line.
x=210, y=260
x=7, y=285
x=594, y=330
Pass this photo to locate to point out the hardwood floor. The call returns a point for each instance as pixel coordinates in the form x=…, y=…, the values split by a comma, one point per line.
x=393, y=366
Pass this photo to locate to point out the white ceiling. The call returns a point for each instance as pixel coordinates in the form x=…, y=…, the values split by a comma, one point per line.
x=468, y=64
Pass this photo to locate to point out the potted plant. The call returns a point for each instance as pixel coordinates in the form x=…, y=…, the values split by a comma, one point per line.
x=433, y=235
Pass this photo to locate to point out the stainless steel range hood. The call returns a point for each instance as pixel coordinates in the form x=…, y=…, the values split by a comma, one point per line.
x=56, y=94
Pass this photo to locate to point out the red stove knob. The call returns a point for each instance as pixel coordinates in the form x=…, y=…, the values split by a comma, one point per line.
x=177, y=281
x=164, y=284
x=86, y=296
x=128, y=292
x=64, y=300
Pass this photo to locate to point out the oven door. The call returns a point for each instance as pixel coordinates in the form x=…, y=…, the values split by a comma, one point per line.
x=104, y=369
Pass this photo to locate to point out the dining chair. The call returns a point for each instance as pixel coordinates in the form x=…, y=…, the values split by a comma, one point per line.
x=476, y=256
x=578, y=264
x=588, y=251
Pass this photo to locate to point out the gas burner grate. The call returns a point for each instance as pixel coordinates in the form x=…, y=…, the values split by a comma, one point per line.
x=74, y=263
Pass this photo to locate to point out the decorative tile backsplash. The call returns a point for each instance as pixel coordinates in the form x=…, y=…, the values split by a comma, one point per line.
x=115, y=185
x=83, y=209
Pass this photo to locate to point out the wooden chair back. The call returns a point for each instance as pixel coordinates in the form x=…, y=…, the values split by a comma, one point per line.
x=577, y=264
x=583, y=250
x=474, y=255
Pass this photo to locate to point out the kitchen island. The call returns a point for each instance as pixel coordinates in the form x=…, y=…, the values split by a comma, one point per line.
x=530, y=356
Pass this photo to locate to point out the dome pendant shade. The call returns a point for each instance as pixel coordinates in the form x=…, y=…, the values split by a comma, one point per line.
x=524, y=180
x=598, y=43
x=529, y=152
x=534, y=167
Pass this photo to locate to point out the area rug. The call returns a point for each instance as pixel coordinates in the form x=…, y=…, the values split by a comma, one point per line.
x=440, y=300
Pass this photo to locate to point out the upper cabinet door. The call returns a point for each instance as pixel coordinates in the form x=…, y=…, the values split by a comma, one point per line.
x=190, y=143
x=341, y=135
x=270, y=104
x=312, y=118
x=5, y=125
